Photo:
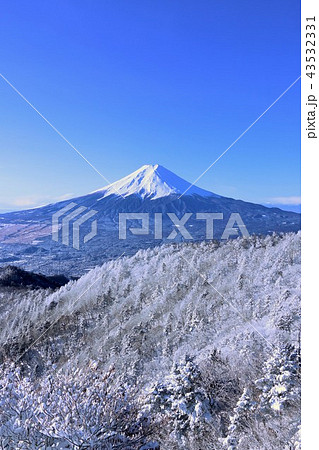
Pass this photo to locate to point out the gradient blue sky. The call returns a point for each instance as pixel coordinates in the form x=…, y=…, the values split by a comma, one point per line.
x=132, y=82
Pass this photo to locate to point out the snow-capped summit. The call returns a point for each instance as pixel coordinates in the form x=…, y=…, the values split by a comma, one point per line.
x=153, y=181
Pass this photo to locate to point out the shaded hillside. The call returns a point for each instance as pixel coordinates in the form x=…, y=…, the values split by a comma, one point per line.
x=11, y=276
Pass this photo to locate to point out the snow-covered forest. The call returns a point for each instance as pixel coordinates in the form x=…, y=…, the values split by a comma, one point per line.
x=188, y=346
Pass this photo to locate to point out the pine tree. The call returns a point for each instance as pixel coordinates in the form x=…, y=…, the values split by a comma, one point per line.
x=239, y=421
x=182, y=397
x=280, y=384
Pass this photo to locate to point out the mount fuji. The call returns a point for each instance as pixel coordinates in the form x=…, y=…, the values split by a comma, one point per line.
x=26, y=236
x=153, y=181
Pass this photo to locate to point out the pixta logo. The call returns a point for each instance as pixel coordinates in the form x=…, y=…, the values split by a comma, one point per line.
x=179, y=225
x=67, y=221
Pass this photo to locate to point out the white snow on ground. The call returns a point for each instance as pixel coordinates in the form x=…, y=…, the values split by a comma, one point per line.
x=200, y=340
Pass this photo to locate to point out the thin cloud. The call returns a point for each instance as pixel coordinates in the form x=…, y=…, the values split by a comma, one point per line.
x=292, y=200
x=34, y=201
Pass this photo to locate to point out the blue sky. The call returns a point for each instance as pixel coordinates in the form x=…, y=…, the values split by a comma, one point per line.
x=135, y=82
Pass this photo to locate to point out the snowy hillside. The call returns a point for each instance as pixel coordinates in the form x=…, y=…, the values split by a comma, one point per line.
x=205, y=335
x=153, y=181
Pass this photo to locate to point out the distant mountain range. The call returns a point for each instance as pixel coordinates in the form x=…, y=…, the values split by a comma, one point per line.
x=26, y=236
x=285, y=206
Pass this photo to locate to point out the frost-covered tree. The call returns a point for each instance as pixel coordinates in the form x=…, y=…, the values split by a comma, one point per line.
x=141, y=313
x=240, y=421
x=278, y=403
x=280, y=384
x=183, y=400
x=75, y=410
